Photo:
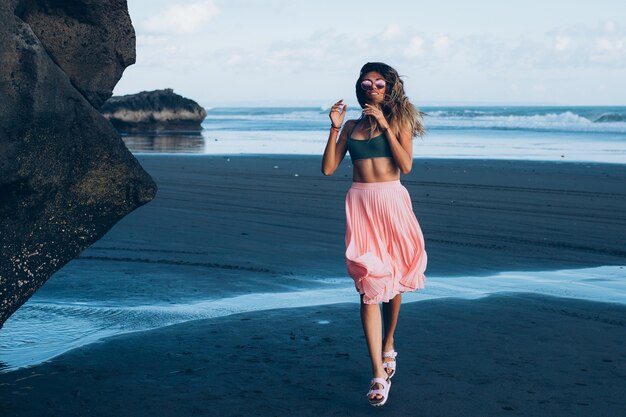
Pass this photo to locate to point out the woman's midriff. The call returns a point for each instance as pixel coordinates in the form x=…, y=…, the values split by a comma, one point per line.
x=375, y=170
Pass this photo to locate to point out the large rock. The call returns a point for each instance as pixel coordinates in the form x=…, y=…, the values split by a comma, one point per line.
x=65, y=175
x=154, y=111
x=93, y=41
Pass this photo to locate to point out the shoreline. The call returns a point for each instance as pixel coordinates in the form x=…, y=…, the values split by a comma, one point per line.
x=140, y=154
x=258, y=362
x=601, y=284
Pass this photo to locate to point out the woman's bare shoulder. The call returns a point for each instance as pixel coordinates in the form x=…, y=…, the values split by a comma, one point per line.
x=350, y=123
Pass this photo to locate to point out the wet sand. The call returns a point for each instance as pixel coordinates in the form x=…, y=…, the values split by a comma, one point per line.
x=225, y=226
x=514, y=354
x=280, y=214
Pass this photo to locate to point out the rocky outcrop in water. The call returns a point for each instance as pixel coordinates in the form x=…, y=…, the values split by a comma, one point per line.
x=66, y=177
x=154, y=111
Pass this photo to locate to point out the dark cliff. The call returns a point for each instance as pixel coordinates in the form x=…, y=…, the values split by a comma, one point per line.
x=65, y=175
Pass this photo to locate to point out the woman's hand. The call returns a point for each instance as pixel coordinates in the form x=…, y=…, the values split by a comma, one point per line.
x=338, y=113
x=376, y=113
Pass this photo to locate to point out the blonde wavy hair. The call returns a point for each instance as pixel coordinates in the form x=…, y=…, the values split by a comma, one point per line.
x=396, y=106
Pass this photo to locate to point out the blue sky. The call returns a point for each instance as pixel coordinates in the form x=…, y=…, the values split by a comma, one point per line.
x=279, y=52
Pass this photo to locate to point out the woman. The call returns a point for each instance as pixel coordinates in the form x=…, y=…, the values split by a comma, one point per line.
x=385, y=252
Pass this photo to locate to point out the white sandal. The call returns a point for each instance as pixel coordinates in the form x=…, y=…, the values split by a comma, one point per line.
x=391, y=364
x=377, y=402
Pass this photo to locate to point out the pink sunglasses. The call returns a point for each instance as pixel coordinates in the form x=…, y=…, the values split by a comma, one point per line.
x=368, y=85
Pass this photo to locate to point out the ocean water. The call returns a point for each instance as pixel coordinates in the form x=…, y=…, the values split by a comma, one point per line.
x=590, y=134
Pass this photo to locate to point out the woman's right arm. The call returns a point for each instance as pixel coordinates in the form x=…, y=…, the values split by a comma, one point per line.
x=335, y=149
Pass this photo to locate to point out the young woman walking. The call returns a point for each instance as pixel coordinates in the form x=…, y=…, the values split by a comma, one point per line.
x=385, y=253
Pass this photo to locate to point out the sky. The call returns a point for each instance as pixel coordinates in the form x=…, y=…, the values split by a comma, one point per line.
x=448, y=52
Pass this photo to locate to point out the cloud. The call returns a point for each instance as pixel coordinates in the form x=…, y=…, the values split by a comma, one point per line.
x=391, y=32
x=415, y=47
x=610, y=26
x=583, y=46
x=562, y=43
x=562, y=48
x=441, y=45
x=181, y=19
x=233, y=60
x=605, y=44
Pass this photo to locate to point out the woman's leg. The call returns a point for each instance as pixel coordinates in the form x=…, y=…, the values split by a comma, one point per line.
x=390, y=316
x=372, y=327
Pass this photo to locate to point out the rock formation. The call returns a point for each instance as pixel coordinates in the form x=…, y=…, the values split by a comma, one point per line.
x=154, y=111
x=65, y=175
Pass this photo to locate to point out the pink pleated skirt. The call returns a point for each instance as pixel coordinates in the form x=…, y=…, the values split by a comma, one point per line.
x=385, y=253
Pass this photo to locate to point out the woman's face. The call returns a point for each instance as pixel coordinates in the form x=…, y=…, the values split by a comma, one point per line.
x=373, y=84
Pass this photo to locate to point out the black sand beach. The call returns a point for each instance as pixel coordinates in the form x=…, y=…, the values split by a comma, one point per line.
x=262, y=223
x=275, y=223
x=478, y=216
x=518, y=355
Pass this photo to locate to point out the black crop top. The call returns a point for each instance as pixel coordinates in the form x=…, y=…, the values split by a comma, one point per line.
x=375, y=147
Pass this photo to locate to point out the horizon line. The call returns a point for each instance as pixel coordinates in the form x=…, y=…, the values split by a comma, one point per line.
x=314, y=103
